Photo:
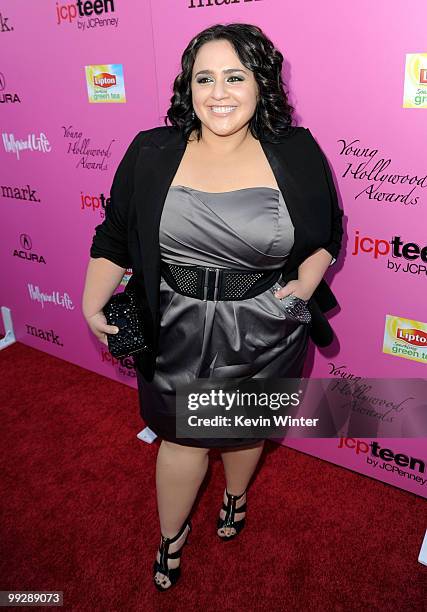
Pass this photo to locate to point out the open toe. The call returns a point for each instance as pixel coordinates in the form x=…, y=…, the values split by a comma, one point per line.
x=166, y=568
x=232, y=516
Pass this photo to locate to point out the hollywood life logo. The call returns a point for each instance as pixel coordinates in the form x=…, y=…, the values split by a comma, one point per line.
x=5, y=96
x=386, y=459
x=399, y=250
x=105, y=83
x=32, y=143
x=55, y=297
x=415, y=81
x=94, y=203
x=383, y=185
x=406, y=338
x=87, y=14
x=48, y=336
x=125, y=365
x=26, y=194
x=26, y=251
x=81, y=146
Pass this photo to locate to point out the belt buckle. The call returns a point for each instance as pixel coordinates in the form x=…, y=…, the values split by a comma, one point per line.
x=206, y=284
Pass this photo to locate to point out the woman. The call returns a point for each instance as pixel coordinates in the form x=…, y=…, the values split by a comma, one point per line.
x=231, y=191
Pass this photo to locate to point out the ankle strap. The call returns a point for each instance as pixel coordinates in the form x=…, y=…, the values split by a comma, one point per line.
x=179, y=534
x=235, y=496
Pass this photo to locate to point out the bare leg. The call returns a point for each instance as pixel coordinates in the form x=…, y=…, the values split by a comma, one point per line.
x=180, y=471
x=239, y=465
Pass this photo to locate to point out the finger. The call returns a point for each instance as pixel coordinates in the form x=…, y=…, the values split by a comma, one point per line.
x=281, y=294
x=103, y=338
x=109, y=329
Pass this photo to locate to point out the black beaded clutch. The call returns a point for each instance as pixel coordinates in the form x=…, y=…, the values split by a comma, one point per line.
x=294, y=306
x=125, y=312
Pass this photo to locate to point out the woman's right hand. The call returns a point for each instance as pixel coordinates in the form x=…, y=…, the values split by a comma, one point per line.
x=98, y=326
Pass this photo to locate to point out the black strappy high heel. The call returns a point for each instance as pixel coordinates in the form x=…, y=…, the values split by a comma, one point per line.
x=230, y=511
x=172, y=573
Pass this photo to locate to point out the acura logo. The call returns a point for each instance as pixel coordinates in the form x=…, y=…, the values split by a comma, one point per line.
x=25, y=241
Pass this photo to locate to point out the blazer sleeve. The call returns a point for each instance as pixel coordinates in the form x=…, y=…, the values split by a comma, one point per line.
x=334, y=245
x=111, y=236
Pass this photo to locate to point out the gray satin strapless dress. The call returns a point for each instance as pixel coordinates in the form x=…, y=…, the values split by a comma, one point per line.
x=246, y=228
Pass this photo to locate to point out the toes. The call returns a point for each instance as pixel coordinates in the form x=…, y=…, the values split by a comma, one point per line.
x=226, y=531
x=162, y=580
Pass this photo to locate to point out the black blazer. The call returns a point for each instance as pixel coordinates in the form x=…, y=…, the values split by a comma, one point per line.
x=129, y=234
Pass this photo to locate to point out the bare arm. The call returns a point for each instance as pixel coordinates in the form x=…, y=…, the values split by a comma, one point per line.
x=312, y=269
x=102, y=279
x=109, y=251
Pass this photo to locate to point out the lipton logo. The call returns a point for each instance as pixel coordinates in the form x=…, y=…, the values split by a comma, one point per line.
x=423, y=76
x=103, y=79
x=416, y=337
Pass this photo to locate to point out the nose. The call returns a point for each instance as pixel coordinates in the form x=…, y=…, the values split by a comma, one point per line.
x=218, y=91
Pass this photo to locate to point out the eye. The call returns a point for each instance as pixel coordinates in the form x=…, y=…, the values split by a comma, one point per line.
x=203, y=79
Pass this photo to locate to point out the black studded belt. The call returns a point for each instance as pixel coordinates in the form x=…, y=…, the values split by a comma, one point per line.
x=218, y=283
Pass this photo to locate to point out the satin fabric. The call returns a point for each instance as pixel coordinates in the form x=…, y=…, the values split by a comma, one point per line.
x=246, y=228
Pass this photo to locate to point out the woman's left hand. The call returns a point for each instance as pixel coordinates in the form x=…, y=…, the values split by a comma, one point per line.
x=294, y=287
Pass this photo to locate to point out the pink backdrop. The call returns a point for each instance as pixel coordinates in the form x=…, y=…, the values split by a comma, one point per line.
x=345, y=68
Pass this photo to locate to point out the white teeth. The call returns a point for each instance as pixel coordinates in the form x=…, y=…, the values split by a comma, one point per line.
x=223, y=109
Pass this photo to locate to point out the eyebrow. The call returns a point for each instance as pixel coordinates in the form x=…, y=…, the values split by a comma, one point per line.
x=225, y=71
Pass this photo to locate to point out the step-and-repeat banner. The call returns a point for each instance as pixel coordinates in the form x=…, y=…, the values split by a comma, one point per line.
x=79, y=79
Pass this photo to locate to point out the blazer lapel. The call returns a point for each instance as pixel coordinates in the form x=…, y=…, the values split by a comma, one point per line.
x=283, y=169
x=154, y=174
x=296, y=166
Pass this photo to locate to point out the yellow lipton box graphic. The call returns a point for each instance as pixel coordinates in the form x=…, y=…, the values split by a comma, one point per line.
x=105, y=83
x=415, y=87
x=405, y=338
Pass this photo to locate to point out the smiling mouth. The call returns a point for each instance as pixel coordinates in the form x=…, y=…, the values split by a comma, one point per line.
x=222, y=110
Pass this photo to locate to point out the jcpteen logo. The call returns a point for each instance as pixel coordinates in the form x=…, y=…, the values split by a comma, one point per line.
x=87, y=14
x=395, y=248
x=94, y=203
x=386, y=459
x=124, y=365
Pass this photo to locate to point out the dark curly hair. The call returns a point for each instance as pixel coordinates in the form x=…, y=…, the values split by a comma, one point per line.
x=273, y=114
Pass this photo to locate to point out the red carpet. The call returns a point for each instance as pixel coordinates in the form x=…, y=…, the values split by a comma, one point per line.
x=79, y=513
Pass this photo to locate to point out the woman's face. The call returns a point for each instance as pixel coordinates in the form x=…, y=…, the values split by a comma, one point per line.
x=220, y=82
